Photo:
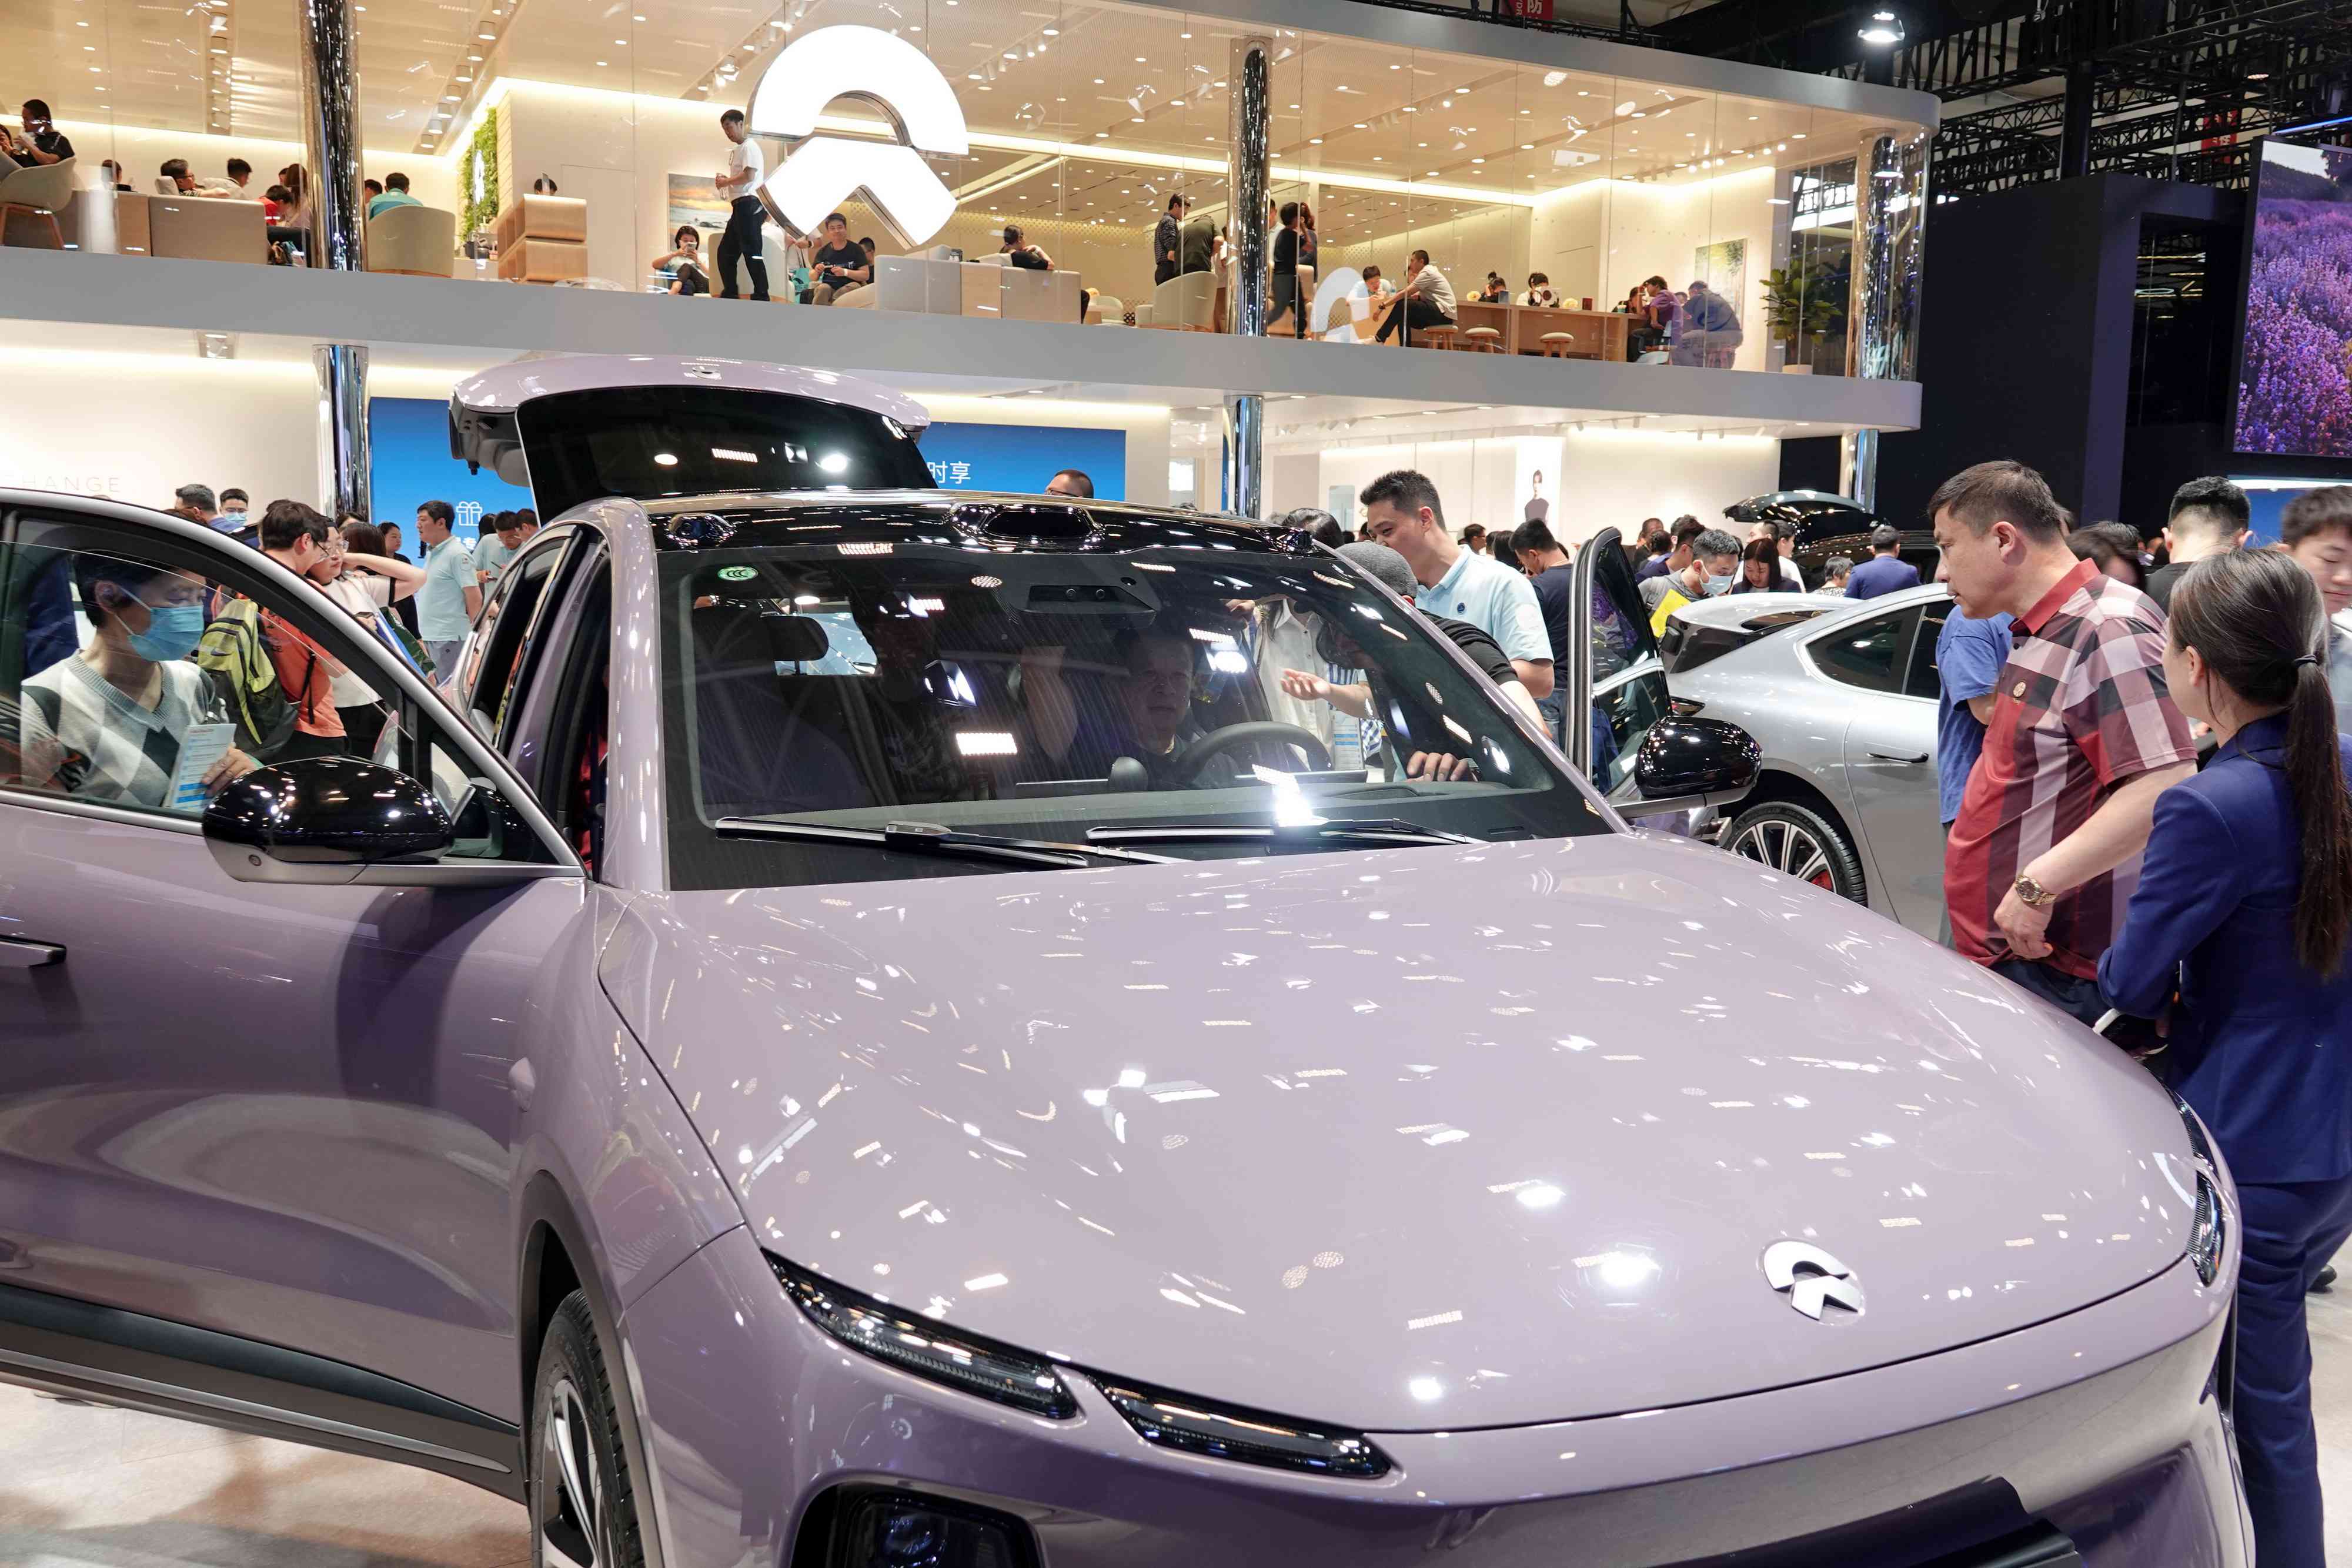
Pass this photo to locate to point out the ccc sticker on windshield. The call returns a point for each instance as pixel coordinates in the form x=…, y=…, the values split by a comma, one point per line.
x=738, y=573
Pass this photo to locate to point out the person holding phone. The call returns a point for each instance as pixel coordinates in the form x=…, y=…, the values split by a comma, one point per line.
x=835, y=266
x=684, y=263
x=2235, y=939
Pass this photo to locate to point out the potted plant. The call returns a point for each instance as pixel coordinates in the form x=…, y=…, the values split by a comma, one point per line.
x=1798, y=304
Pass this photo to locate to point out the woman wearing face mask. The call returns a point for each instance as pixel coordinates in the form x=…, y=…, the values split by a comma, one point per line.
x=105, y=724
x=2242, y=908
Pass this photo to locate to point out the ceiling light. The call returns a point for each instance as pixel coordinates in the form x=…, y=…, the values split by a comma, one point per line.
x=1553, y=78
x=1053, y=31
x=1626, y=107
x=1883, y=30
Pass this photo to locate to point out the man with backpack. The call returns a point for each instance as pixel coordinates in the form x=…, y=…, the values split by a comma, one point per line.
x=279, y=684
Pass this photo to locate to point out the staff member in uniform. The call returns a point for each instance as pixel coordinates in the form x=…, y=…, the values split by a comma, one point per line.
x=739, y=183
x=2243, y=903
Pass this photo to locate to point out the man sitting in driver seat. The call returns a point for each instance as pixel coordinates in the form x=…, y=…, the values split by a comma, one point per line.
x=1150, y=717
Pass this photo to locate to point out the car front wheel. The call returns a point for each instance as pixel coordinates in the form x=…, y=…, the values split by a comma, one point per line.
x=1803, y=843
x=582, y=1505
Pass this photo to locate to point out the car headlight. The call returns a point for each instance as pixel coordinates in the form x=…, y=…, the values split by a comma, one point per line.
x=1010, y=1376
x=2208, y=1220
x=916, y=1344
x=1174, y=1421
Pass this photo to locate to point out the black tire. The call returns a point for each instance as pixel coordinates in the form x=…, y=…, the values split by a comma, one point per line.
x=584, y=1508
x=1803, y=843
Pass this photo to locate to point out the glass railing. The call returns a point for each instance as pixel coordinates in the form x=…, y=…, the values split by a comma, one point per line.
x=1560, y=213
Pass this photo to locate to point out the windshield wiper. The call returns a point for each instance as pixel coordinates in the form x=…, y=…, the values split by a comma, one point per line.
x=1376, y=831
x=933, y=838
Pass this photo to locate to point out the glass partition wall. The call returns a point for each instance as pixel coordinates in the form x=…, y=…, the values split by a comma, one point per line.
x=1720, y=225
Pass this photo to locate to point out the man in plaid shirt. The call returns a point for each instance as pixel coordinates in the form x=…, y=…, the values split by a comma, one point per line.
x=2083, y=737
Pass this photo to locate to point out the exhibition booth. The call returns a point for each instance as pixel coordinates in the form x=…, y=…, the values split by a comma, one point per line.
x=1592, y=166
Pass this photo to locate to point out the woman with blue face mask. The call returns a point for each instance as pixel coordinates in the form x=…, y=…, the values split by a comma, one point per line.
x=106, y=724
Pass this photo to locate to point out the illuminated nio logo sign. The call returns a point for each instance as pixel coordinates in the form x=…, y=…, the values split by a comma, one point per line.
x=825, y=171
x=1811, y=1279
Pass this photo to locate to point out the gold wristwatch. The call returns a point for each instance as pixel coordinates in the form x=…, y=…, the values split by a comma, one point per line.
x=2032, y=893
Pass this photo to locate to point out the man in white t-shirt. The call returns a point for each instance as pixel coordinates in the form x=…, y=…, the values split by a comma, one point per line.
x=747, y=166
x=1401, y=509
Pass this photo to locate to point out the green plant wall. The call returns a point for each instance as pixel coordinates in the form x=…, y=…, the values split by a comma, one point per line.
x=481, y=195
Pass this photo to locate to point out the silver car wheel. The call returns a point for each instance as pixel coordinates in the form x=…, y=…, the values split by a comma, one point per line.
x=572, y=1531
x=1786, y=847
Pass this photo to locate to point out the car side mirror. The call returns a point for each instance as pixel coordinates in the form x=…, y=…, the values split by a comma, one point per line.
x=1690, y=762
x=323, y=821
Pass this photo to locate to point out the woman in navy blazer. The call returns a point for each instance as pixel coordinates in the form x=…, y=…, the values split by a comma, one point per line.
x=2242, y=908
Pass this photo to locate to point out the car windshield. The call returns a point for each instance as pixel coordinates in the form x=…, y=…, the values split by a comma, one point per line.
x=1170, y=700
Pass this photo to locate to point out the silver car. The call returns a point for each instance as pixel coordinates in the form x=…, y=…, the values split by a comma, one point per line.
x=1841, y=694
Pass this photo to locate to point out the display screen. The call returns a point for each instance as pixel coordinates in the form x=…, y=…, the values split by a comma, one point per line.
x=2295, y=380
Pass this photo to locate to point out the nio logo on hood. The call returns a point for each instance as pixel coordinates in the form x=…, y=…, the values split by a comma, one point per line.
x=1811, y=1279
x=887, y=73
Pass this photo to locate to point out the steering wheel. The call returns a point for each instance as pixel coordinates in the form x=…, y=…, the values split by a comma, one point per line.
x=1189, y=762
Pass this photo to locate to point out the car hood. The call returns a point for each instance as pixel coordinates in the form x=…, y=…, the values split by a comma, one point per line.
x=1409, y=1140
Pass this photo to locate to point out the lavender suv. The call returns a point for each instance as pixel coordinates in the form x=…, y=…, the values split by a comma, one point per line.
x=884, y=1028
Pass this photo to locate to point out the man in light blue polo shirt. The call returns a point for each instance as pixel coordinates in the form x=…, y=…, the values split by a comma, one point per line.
x=1402, y=511
x=446, y=604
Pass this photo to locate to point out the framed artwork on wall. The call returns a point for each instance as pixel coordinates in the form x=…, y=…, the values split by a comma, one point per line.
x=1723, y=266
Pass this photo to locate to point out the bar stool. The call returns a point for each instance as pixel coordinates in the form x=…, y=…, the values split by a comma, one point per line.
x=1482, y=340
x=1556, y=345
x=1435, y=336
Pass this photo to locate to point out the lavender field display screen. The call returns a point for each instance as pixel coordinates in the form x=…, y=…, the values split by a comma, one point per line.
x=2294, y=375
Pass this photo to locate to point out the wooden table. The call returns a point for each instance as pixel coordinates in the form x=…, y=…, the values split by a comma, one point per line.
x=1599, y=334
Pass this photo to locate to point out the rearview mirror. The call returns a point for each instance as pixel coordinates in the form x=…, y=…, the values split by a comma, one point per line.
x=323, y=820
x=1690, y=762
